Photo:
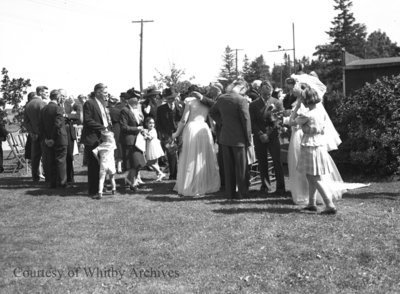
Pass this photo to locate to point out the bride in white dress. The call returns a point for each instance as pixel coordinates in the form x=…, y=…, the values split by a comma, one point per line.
x=197, y=164
x=297, y=182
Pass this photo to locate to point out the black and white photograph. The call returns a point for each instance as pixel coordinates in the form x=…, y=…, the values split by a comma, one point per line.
x=199, y=146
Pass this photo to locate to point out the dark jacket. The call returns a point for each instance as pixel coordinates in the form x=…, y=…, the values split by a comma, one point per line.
x=167, y=120
x=92, y=123
x=52, y=124
x=231, y=112
x=129, y=127
x=32, y=115
x=262, y=115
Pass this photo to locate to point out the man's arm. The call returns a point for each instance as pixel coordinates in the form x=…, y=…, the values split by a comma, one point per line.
x=245, y=120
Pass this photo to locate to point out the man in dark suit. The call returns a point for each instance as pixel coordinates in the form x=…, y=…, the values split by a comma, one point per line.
x=231, y=112
x=95, y=120
x=31, y=122
x=71, y=135
x=264, y=126
x=53, y=132
x=168, y=117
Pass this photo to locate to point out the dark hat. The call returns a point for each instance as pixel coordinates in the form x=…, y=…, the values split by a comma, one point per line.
x=99, y=86
x=132, y=93
x=169, y=93
x=151, y=92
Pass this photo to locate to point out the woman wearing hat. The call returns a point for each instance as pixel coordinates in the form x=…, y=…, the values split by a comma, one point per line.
x=131, y=121
x=149, y=106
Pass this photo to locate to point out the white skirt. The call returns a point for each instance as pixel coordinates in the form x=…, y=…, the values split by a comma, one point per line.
x=197, y=163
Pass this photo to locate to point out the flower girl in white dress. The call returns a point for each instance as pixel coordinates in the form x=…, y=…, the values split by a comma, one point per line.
x=153, y=147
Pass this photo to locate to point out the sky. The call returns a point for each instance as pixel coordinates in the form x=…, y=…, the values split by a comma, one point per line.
x=75, y=44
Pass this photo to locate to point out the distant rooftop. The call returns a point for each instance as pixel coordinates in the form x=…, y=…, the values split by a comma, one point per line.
x=375, y=62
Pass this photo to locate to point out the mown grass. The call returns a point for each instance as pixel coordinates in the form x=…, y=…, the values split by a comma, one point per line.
x=202, y=245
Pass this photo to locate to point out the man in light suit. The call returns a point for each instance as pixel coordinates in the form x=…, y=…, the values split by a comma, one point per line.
x=31, y=122
x=95, y=120
x=54, y=135
x=231, y=112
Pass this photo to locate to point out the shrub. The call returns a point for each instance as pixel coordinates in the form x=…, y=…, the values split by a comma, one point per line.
x=369, y=123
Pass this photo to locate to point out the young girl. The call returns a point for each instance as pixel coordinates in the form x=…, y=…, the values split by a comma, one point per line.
x=105, y=154
x=314, y=160
x=153, y=147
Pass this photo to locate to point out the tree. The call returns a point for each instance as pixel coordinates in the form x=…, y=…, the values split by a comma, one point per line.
x=379, y=45
x=345, y=33
x=228, y=70
x=173, y=79
x=258, y=70
x=12, y=91
x=246, y=68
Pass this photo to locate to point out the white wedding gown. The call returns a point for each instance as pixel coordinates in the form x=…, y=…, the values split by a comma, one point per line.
x=197, y=163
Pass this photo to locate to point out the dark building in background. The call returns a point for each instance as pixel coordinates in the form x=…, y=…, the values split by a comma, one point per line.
x=358, y=71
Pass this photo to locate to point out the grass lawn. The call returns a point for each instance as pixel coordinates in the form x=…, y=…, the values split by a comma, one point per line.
x=156, y=242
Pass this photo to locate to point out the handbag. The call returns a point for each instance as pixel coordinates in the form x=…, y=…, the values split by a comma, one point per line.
x=140, y=142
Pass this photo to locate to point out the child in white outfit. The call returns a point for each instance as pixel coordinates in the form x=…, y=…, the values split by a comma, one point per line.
x=153, y=147
x=314, y=160
x=105, y=154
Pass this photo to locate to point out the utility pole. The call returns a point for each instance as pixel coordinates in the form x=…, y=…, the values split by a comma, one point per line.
x=141, y=50
x=294, y=50
x=291, y=49
x=237, y=72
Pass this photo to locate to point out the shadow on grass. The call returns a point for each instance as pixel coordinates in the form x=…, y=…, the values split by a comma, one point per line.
x=13, y=183
x=79, y=189
x=270, y=201
x=373, y=195
x=278, y=210
x=185, y=198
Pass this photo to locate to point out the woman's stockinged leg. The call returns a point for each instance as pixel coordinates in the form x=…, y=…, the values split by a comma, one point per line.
x=312, y=190
x=324, y=191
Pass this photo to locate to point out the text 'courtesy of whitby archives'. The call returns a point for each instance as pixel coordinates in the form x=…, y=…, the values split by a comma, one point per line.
x=111, y=272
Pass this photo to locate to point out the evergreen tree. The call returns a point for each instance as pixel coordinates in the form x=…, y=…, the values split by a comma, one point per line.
x=379, y=45
x=228, y=70
x=259, y=70
x=345, y=33
x=246, y=68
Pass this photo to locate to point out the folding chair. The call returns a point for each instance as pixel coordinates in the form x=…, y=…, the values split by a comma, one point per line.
x=255, y=173
x=17, y=141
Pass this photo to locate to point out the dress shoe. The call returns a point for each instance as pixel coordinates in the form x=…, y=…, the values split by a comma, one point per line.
x=97, y=196
x=310, y=208
x=281, y=192
x=329, y=211
x=133, y=188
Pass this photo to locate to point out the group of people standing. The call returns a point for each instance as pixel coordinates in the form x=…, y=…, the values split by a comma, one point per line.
x=207, y=139
x=52, y=137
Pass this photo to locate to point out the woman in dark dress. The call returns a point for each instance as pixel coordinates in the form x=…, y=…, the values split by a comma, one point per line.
x=149, y=106
x=131, y=121
x=115, y=107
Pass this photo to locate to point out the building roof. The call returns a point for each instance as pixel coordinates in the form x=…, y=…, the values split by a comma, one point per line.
x=375, y=62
